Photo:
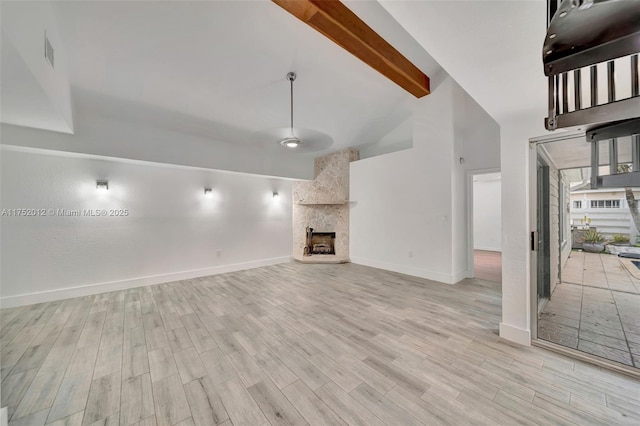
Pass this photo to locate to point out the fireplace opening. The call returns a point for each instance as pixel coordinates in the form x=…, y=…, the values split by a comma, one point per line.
x=323, y=243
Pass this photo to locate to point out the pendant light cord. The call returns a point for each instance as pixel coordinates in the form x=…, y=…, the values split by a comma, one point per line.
x=291, y=81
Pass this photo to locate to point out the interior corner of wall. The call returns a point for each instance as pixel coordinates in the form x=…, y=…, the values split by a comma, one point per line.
x=456, y=278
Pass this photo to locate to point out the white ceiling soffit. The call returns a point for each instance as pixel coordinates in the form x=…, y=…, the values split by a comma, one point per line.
x=222, y=65
x=34, y=89
x=23, y=100
x=491, y=48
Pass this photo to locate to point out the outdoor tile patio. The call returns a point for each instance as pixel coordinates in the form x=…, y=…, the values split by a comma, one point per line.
x=595, y=309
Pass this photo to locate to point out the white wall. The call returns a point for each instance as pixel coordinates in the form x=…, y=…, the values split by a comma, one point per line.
x=487, y=212
x=408, y=210
x=172, y=231
x=394, y=225
x=476, y=148
x=516, y=156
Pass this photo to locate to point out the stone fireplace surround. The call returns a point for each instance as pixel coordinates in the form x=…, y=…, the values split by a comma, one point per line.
x=323, y=204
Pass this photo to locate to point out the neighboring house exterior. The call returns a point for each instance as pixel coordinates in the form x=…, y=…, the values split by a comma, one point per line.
x=605, y=209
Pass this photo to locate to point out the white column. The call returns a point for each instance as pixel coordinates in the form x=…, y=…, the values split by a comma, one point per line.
x=516, y=309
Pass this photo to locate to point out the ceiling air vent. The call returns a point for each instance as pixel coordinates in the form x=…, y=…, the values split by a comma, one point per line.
x=48, y=50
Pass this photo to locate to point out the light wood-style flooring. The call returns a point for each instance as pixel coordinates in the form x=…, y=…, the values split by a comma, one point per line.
x=294, y=344
x=487, y=265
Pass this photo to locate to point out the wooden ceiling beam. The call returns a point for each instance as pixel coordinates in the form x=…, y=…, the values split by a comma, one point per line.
x=340, y=24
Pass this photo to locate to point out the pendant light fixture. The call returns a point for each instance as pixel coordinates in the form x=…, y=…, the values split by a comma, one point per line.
x=291, y=141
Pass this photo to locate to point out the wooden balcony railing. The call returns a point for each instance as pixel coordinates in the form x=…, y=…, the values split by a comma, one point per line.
x=590, y=57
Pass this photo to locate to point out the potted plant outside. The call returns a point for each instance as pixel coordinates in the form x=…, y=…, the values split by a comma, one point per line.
x=620, y=240
x=593, y=241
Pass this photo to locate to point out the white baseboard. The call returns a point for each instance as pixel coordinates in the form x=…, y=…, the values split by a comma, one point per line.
x=460, y=276
x=91, y=289
x=496, y=249
x=515, y=334
x=409, y=270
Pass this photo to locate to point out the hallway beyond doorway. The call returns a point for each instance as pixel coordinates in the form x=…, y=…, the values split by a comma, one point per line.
x=488, y=265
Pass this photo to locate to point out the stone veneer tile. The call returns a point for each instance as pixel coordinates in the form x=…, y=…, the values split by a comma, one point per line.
x=324, y=199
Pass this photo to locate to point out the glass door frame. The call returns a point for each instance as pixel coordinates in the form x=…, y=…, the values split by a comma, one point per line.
x=533, y=261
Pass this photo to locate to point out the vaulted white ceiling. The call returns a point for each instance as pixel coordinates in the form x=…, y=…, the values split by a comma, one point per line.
x=491, y=48
x=217, y=68
x=223, y=65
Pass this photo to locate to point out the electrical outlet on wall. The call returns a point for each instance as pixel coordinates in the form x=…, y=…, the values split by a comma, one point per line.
x=410, y=254
x=218, y=253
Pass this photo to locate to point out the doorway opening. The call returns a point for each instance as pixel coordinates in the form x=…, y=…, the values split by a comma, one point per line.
x=583, y=244
x=487, y=226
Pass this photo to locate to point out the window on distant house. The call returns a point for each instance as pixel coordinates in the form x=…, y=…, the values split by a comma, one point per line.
x=577, y=204
x=605, y=204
